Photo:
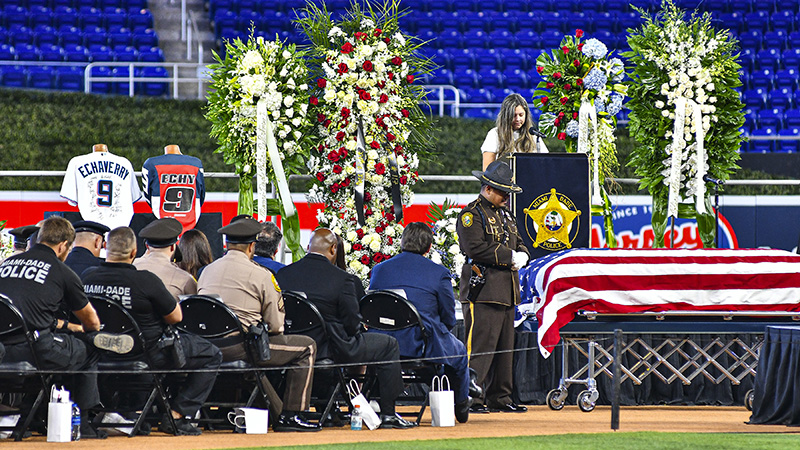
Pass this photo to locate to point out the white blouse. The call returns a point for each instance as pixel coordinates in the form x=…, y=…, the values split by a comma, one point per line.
x=491, y=142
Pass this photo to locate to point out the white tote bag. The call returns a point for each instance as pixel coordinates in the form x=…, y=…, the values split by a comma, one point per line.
x=443, y=411
x=59, y=416
x=370, y=419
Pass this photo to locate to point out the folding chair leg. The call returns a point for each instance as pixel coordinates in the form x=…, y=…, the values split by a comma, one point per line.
x=339, y=387
x=22, y=425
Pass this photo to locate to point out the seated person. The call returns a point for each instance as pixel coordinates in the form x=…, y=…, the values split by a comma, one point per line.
x=332, y=291
x=89, y=240
x=252, y=293
x=39, y=284
x=269, y=239
x=161, y=238
x=427, y=286
x=153, y=307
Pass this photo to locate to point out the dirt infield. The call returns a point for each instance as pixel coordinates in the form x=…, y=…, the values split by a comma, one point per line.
x=539, y=420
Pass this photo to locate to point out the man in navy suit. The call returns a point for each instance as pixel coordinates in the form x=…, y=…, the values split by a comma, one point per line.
x=332, y=291
x=428, y=287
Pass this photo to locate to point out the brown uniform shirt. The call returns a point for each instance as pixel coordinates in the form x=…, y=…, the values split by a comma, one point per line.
x=247, y=288
x=491, y=244
x=178, y=281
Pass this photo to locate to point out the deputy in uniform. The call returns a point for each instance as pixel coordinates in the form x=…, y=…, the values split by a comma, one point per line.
x=161, y=238
x=21, y=236
x=253, y=294
x=153, y=307
x=488, y=235
x=39, y=283
x=89, y=240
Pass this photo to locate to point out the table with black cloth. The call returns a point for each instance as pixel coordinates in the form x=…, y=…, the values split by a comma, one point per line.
x=776, y=398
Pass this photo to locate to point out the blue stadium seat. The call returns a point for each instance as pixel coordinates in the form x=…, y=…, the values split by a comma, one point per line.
x=39, y=15
x=152, y=88
x=517, y=79
x=605, y=21
x=464, y=78
x=747, y=58
x=617, y=6
x=463, y=59
x=145, y=38
x=788, y=146
x=440, y=5
x=750, y=120
x=451, y=39
x=791, y=58
x=627, y=21
x=518, y=5
x=7, y=52
x=476, y=38
x=478, y=113
x=14, y=76
x=550, y=39
x=101, y=87
x=488, y=59
x=528, y=40
x=90, y=17
x=27, y=52
x=115, y=17
x=101, y=53
x=51, y=53
x=120, y=36
x=791, y=117
x=514, y=59
x=69, y=78
x=751, y=39
x=15, y=15
x=578, y=20
x=66, y=17
x=771, y=118
x=153, y=54
x=716, y=6
x=224, y=5
x=762, y=146
x=758, y=20
x=788, y=77
x=552, y=21
x=140, y=20
x=476, y=21
x=248, y=19
x=783, y=20
x=94, y=36
x=224, y=21
x=775, y=40
x=44, y=35
x=121, y=87
x=780, y=98
x=41, y=77
x=583, y=5
x=755, y=98
x=762, y=79
x=125, y=54
x=442, y=76
x=768, y=59
x=69, y=35
x=20, y=36
x=493, y=79
x=733, y=21
x=502, y=39
x=76, y=53
x=744, y=6
x=505, y=21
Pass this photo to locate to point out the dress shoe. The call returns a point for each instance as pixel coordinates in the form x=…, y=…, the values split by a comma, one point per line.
x=479, y=408
x=475, y=391
x=509, y=407
x=183, y=427
x=294, y=423
x=395, y=421
x=462, y=410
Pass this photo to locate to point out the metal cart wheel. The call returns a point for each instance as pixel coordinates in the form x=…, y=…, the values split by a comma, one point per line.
x=585, y=402
x=555, y=399
x=749, y=396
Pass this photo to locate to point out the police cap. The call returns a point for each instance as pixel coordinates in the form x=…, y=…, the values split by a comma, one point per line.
x=93, y=227
x=22, y=234
x=162, y=232
x=241, y=231
x=240, y=217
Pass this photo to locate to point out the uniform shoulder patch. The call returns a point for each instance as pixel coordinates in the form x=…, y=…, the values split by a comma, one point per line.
x=466, y=219
x=274, y=282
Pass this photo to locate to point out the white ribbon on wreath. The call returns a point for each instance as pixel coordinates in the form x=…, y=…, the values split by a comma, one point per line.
x=677, y=146
x=265, y=144
x=587, y=114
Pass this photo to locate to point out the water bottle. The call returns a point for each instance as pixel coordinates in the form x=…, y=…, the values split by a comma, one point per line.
x=76, y=422
x=355, y=418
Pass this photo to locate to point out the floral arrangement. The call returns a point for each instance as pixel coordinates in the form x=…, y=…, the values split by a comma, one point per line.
x=445, y=249
x=580, y=95
x=366, y=71
x=252, y=70
x=685, y=113
x=6, y=242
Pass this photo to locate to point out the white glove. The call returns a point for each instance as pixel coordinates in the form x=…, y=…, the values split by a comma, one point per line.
x=518, y=260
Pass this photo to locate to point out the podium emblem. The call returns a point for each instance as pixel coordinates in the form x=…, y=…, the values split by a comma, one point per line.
x=552, y=221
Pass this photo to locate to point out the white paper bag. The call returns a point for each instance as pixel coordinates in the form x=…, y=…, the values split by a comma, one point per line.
x=443, y=411
x=370, y=419
x=251, y=420
x=59, y=416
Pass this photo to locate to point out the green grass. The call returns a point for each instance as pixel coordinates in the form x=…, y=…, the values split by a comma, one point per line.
x=615, y=441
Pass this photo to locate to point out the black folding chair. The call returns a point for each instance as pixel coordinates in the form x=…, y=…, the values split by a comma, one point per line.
x=213, y=320
x=20, y=377
x=303, y=317
x=387, y=311
x=130, y=370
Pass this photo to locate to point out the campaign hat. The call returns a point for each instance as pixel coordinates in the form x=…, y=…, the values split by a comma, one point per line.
x=22, y=234
x=161, y=233
x=88, y=225
x=499, y=176
x=241, y=231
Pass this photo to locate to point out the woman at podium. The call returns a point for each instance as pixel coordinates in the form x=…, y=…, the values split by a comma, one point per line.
x=514, y=132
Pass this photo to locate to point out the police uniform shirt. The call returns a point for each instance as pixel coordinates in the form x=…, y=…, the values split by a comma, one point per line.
x=177, y=281
x=491, y=244
x=39, y=284
x=140, y=292
x=247, y=288
x=80, y=259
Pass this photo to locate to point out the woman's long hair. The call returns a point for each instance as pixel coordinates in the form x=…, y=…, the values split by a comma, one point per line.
x=505, y=133
x=195, y=251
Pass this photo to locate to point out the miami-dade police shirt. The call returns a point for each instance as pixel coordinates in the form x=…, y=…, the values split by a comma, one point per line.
x=140, y=292
x=37, y=282
x=104, y=187
x=174, y=187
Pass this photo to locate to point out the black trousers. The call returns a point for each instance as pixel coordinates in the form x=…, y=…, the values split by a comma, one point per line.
x=65, y=351
x=202, y=356
x=374, y=349
x=490, y=329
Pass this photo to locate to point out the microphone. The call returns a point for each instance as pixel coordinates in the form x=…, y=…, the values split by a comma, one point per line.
x=709, y=179
x=535, y=131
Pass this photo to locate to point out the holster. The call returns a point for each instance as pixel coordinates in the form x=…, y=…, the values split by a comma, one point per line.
x=476, y=281
x=172, y=340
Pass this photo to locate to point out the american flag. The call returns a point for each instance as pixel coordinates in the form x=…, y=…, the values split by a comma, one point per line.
x=630, y=281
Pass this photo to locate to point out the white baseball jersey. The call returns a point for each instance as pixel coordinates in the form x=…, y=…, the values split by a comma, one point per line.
x=104, y=187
